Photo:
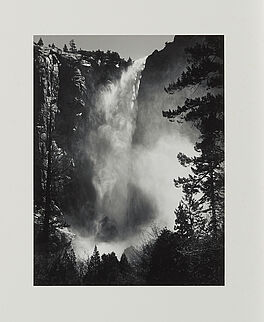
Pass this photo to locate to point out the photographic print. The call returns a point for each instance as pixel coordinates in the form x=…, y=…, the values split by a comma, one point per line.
x=129, y=161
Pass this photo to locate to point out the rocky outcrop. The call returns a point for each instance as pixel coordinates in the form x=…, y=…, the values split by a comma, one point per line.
x=46, y=86
x=66, y=85
x=162, y=67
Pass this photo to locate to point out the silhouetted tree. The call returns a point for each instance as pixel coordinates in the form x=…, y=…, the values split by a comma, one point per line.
x=168, y=266
x=183, y=222
x=190, y=221
x=109, y=272
x=95, y=260
x=40, y=42
x=207, y=114
x=93, y=271
x=129, y=61
x=82, y=269
x=124, y=265
x=73, y=47
x=63, y=270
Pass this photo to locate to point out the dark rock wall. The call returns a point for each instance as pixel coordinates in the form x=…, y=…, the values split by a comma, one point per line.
x=162, y=67
x=66, y=83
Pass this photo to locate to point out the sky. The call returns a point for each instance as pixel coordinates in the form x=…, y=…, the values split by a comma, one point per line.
x=134, y=46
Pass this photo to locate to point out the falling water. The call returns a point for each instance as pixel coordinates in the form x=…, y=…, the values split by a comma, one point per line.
x=110, y=150
x=111, y=142
x=133, y=183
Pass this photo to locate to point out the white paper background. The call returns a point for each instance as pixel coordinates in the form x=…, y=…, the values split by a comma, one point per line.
x=241, y=298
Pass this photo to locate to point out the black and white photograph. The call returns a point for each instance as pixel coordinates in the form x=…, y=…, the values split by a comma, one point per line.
x=132, y=161
x=129, y=160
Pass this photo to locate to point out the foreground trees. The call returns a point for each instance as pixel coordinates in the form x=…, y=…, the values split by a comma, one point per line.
x=204, y=187
x=168, y=259
x=177, y=260
x=200, y=214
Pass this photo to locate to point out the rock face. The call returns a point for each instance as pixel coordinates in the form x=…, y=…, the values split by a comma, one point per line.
x=66, y=85
x=162, y=67
x=133, y=255
x=46, y=86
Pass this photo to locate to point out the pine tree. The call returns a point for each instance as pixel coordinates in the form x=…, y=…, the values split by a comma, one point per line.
x=109, y=273
x=168, y=266
x=129, y=61
x=124, y=264
x=62, y=269
x=65, y=48
x=183, y=222
x=95, y=260
x=40, y=42
x=207, y=114
x=93, y=269
x=73, y=47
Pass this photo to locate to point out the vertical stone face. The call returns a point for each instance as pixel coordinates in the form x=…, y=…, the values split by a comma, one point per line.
x=46, y=85
x=162, y=67
x=66, y=89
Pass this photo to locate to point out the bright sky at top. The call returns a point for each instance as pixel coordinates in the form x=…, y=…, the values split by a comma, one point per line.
x=134, y=46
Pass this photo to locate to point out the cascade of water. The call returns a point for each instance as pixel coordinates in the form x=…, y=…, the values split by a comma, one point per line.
x=133, y=183
x=110, y=151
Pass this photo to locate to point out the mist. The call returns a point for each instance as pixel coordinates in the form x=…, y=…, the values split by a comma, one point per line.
x=133, y=180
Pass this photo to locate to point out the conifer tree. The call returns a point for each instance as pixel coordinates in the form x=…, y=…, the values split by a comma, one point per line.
x=40, y=42
x=205, y=68
x=124, y=264
x=129, y=61
x=183, y=222
x=95, y=260
x=73, y=47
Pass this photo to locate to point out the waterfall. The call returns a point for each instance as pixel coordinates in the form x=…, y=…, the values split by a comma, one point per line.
x=133, y=183
x=110, y=149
